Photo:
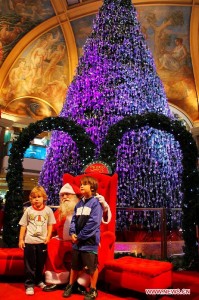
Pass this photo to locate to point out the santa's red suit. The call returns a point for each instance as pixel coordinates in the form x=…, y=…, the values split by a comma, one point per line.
x=59, y=252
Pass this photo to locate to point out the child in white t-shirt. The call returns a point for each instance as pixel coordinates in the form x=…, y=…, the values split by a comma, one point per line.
x=35, y=232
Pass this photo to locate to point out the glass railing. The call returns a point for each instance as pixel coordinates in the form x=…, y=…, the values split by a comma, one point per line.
x=161, y=225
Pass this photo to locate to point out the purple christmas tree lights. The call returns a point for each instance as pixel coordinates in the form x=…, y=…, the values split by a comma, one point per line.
x=116, y=77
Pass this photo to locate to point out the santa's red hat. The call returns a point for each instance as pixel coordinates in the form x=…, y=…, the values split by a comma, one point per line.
x=70, y=189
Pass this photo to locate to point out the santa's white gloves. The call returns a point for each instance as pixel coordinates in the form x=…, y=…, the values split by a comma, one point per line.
x=105, y=207
x=102, y=201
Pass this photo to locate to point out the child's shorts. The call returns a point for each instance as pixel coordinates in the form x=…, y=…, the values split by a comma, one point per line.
x=84, y=260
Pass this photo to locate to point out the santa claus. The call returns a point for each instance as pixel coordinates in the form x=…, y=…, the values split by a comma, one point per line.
x=59, y=248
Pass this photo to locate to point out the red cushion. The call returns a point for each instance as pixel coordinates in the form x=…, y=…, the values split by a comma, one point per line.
x=146, y=267
x=11, y=253
x=11, y=261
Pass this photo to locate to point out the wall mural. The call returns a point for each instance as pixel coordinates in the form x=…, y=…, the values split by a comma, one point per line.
x=166, y=30
x=17, y=17
x=33, y=107
x=82, y=29
x=36, y=85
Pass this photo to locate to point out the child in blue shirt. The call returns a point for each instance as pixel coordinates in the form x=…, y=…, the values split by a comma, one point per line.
x=85, y=234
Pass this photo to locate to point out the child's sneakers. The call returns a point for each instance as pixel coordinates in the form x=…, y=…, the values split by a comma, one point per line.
x=68, y=291
x=91, y=295
x=30, y=291
x=41, y=285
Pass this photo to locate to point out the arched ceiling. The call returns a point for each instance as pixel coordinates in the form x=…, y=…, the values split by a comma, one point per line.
x=41, y=42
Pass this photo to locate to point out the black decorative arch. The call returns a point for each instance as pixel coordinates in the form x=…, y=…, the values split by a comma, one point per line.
x=157, y=121
x=190, y=180
x=14, y=177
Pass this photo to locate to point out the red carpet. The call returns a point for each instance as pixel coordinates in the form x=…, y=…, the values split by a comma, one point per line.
x=181, y=280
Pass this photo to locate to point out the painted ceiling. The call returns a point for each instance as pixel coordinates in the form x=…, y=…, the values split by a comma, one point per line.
x=41, y=42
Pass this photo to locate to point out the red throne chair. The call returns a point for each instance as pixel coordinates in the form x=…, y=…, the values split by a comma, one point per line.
x=11, y=259
x=108, y=189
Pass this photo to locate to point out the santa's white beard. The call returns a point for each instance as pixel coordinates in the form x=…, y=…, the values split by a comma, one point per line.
x=66, y=208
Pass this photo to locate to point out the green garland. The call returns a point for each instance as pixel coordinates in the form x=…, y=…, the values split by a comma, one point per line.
x=14, y=197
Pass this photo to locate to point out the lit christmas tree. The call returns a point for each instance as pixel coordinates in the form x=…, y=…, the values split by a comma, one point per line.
x=115, y=78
